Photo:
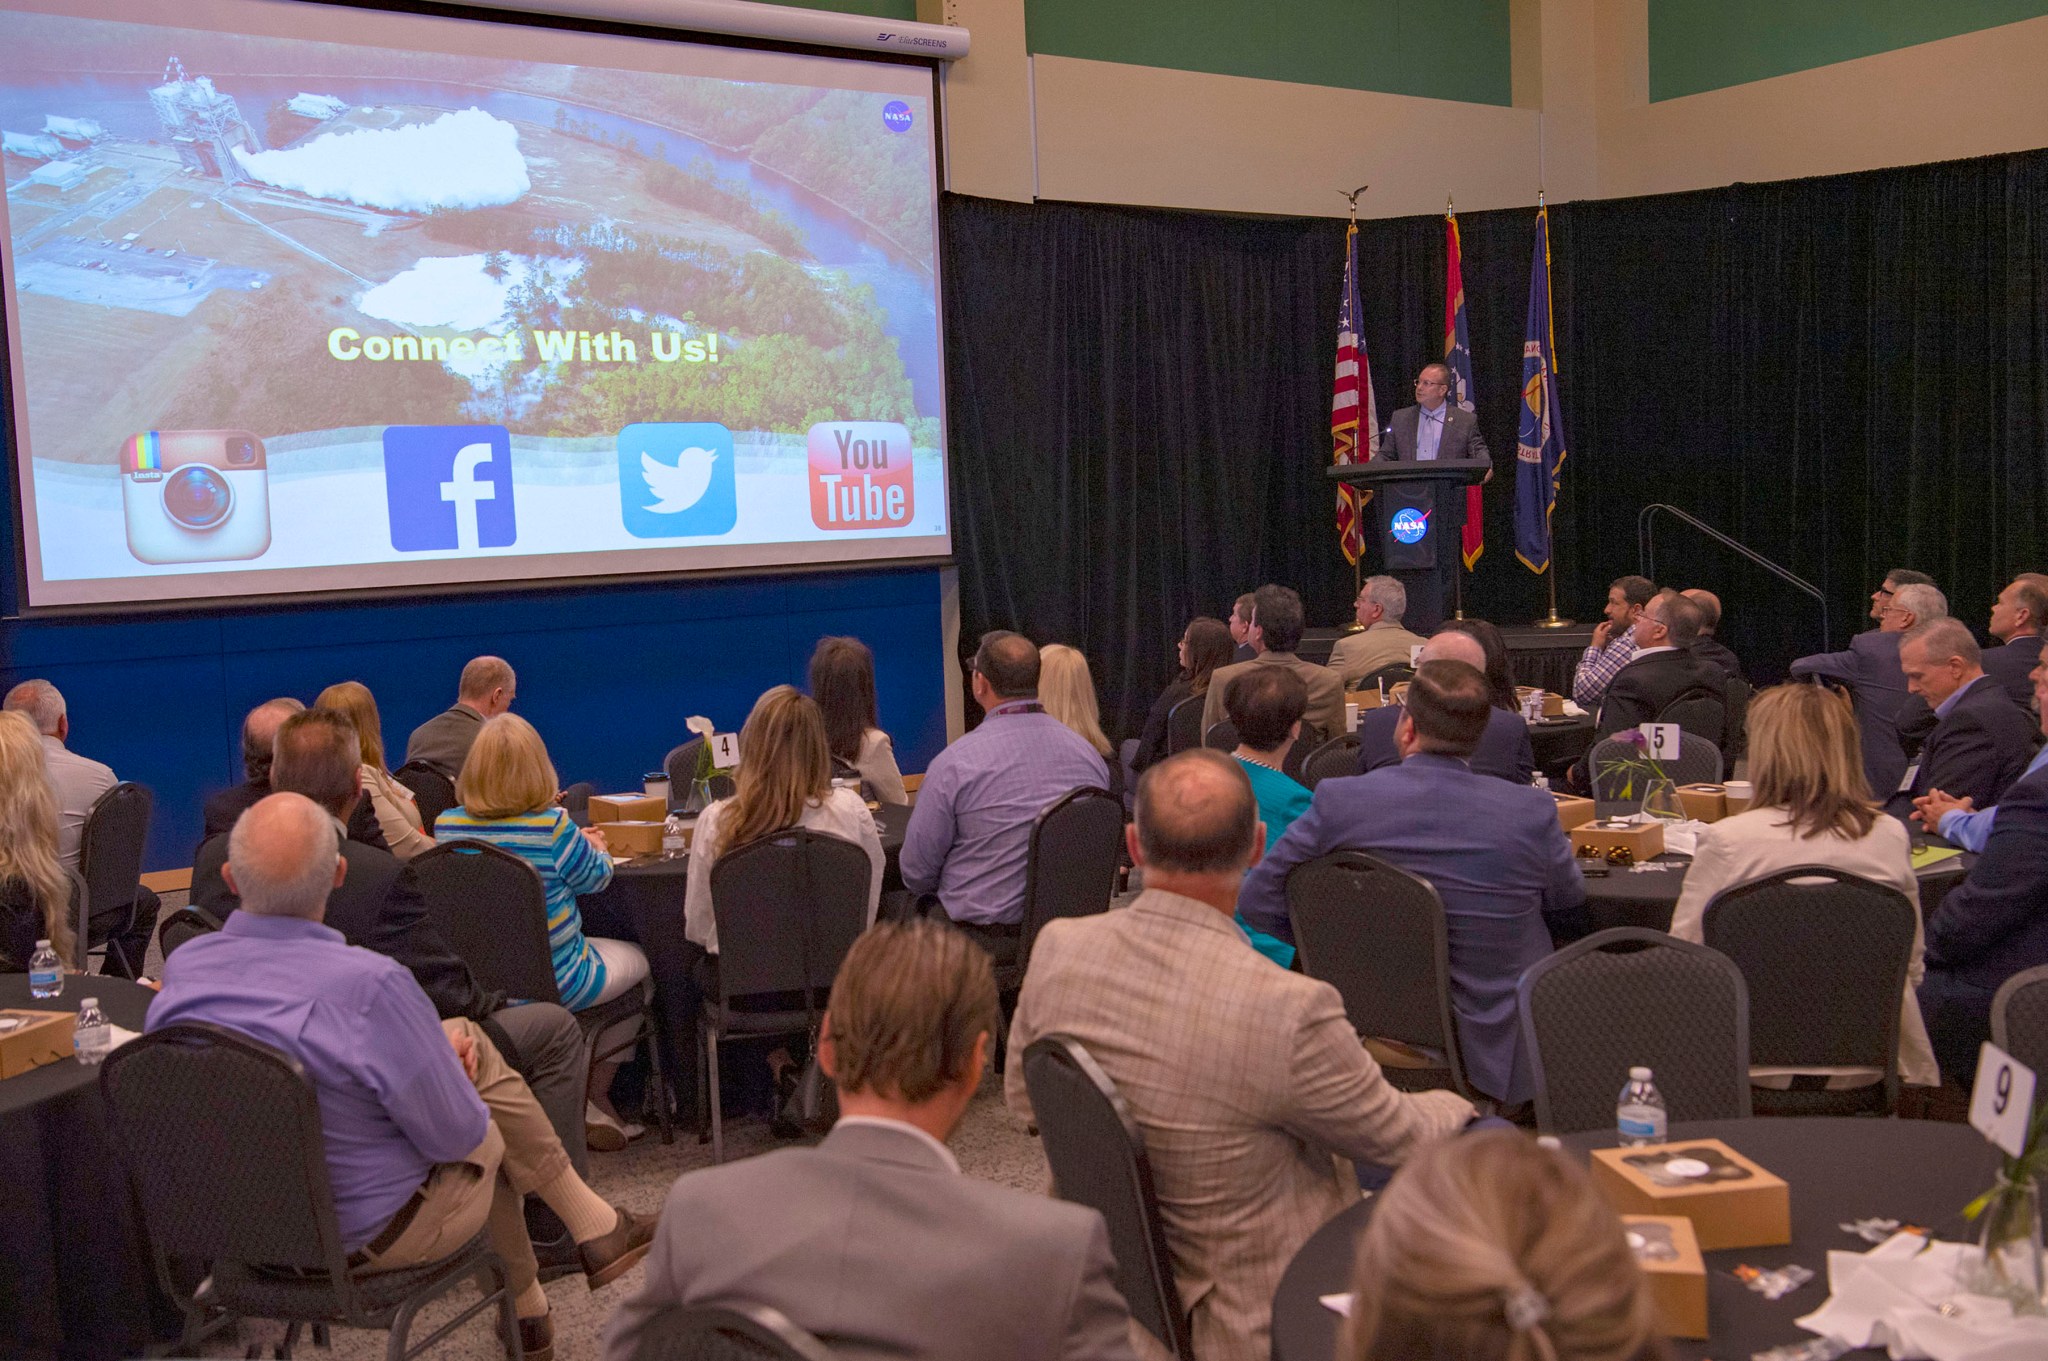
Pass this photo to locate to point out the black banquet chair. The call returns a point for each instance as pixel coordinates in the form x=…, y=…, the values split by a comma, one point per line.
x=1699, y=713
x=1070, y=869
x=737, y=1332
x=2019, y=1017
x=1823, y=955
x=432, y=792
x=222, y=1143
x=1184, y=725
x=1098, y=1159
x=1377, y=935
x=1624, y=997
x=788, y=906
x=491, y=909
x=110, y=851
x=1334, y=758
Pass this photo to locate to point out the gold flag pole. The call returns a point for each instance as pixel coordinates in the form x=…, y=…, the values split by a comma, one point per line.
x=1551, y=620
x=1357, y=569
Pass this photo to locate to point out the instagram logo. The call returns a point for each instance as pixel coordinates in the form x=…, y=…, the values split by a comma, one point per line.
x=860, y=475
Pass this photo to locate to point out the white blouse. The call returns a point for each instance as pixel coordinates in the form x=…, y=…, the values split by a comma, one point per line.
x=398, y=814
x=877, y=765
x=1761, y=842
x=842, y=813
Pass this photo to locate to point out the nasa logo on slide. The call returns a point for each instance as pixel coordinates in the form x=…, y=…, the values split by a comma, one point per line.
x=896, y=116
x=1410, y=525
x=449, y=486
x=676, y=480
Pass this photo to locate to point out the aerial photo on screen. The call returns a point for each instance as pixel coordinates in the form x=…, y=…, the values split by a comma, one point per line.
x=311, y=242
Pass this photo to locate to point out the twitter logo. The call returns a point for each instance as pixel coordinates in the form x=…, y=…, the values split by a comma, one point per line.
x=676, y=480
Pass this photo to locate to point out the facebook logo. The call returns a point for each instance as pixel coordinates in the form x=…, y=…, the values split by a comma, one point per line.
x=449, y=486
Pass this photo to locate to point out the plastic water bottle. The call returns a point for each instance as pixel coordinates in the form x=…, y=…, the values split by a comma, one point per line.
x=1540, y=781
x=672, y=841
x=45, y=972
x=92, y=1038
x=1639, y=1117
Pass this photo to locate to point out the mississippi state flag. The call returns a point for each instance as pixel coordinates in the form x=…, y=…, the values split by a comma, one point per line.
x=1351, y=391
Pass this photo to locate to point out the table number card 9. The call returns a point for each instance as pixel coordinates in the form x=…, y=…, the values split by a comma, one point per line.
x=2003, y=1100
x=1660, y=741
x=725, y=750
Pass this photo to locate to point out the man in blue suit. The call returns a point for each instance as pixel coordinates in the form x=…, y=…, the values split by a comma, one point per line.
x=1993, y=925
x=1493, y=850
x=1981, y=740
x=1870, y=668
x=1504, y=748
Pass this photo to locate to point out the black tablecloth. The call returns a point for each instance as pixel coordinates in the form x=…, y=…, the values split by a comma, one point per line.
x=1648, y=897
x=644, y=904
x=1558, y=742
x=1914, y=1171
x=1548, y=658
x=75, y=1279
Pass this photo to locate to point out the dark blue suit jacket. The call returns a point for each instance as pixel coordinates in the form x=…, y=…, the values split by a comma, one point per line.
x=1504, y=748
x=1498, y=859
x=1870, y=668
x=2011, y=665
x=1996, y=922
x=1982, y=746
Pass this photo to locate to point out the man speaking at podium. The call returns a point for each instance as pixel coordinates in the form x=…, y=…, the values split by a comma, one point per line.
x=1435, y=427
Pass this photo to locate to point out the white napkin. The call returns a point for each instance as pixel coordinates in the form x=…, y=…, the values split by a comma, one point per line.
x=1571, y=708
x=122, y=1036
x=1888, y=1297
x=1337, y=1304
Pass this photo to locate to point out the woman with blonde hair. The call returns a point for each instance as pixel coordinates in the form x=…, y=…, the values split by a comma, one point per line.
x=398, y=814
x=35, y=892
x=1812, y=805
x=507, y=792
x=1490, y=1247
x=784, y=780
x=1066, y=689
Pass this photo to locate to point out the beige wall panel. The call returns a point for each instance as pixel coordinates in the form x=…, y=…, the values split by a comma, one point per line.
x=1110, y=133
x=1978, y=94
x=987, y=99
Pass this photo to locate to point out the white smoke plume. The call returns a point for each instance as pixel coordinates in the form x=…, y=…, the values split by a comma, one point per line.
x=460, y=160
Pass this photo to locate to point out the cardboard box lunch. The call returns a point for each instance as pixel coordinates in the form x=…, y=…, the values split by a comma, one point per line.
x=1669, y=1254
x=1572, y=811
x=1731, y=1201
x=631, y=838
x=1553, y=702
x=1645, y=839
x=1704, y=802
x=627, y=808
x=30, y=1039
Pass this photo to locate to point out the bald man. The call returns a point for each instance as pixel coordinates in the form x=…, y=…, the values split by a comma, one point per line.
x=1244, y=1078
x=430, y=1135
x=1504, y=751
x=486, y=689
x=1707, y=647
x=259, y=739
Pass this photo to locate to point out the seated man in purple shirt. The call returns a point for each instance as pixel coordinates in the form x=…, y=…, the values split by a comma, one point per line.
x=970, y=830
x=430, y=1135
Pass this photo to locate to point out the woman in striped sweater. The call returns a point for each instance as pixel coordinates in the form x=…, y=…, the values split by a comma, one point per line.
x=507, y=790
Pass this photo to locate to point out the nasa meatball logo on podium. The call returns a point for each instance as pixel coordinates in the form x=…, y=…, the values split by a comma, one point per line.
x=860, y=476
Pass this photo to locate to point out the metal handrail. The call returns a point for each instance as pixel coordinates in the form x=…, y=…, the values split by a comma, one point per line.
x=1646, y=554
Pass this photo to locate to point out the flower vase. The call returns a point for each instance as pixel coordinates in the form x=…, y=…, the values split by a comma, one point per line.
x=1661, y=800
x=2007, y=1263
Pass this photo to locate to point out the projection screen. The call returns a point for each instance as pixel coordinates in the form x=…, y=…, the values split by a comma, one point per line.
x=302, y=298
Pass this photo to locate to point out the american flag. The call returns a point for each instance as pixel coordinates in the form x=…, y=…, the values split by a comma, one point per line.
x=1352, y=387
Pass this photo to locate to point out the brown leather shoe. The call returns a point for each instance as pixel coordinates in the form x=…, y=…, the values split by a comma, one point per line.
x=607, y=1258
x=537, y=1338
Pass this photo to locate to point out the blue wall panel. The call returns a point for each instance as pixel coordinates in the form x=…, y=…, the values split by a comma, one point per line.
x=607, y=673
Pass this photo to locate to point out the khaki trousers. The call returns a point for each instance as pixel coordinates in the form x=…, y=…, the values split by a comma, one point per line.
x=519, y=1154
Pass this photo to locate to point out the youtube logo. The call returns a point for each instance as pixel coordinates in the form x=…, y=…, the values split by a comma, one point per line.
x=860, y=475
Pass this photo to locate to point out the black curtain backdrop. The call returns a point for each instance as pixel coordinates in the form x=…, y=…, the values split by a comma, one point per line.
x=1845, y=373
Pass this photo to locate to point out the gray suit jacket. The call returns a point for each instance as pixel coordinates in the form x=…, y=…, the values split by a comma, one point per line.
x=1869, y=666
x=880, y=1250
x=1461, y=435
x=1325, y=691
x=443, y=741
x=1246, y=1081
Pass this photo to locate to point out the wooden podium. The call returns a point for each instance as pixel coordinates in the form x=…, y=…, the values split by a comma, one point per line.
x=1419, y=508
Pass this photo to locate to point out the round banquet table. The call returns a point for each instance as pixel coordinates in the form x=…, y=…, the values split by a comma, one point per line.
x=1558, y=742
x=75, y=1278
x=1647, y=897
x=1840, y=1170
x=644, y=904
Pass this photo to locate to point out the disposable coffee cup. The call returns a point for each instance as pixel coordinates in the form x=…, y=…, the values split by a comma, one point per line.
x=654, y=784
x=1350, y=718
x=1739, y=792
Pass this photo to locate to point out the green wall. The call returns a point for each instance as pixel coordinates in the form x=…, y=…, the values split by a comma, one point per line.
x=1700, y=45
x=1440, y=49
x=881, y=9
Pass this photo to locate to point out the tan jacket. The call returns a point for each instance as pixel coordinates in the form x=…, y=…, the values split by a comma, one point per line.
x=1248, y=1084
x=1358, y=655
x=1325, y=691
x=398, y=814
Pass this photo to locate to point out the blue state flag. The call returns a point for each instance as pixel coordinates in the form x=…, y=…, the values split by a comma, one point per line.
x=1539, y=449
